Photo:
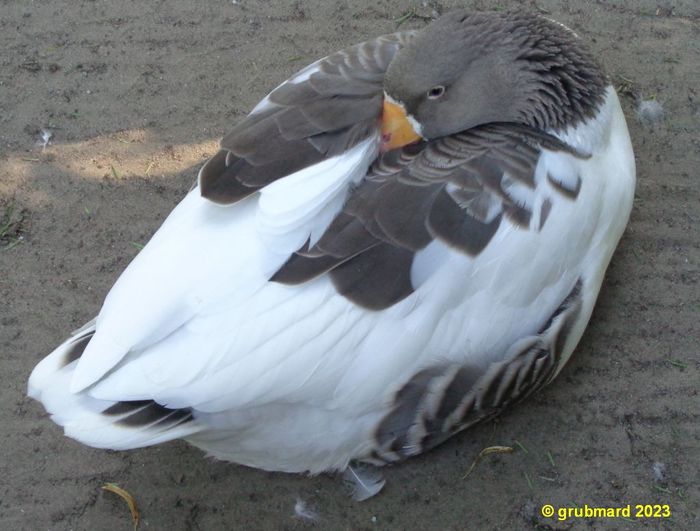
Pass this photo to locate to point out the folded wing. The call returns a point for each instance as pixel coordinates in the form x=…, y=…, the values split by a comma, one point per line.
x=301, y=147
x=457, y=190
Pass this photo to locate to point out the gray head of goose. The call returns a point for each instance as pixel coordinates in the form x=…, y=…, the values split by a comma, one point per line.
x=464, y=70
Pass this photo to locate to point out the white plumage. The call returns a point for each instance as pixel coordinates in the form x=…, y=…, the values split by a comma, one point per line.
x=297, y=377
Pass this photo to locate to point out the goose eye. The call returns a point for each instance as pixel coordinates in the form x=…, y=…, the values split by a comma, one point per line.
x=436, y=92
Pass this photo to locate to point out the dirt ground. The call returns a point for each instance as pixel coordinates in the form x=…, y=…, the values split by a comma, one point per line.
x=136, y=96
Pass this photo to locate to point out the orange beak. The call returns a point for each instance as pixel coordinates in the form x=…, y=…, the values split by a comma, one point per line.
x=397, y=131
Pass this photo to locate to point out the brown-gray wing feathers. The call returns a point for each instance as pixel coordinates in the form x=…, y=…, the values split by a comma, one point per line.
x=457, y=189
x=444, y=399
x=320, y=113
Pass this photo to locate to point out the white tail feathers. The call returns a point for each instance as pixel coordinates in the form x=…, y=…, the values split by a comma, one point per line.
x=100, y=355
x=101, y=423
x=43, y=374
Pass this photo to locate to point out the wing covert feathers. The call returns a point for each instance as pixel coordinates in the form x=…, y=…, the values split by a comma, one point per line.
x=458, y=190
x=323, y=111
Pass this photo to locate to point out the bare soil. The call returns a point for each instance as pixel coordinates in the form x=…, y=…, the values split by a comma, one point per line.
x=137, y=94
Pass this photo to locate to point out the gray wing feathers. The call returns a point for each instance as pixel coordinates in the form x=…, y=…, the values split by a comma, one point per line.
x=79, y=343
x=457, y=189
x=147, y=413
x=376, y=278
x=443, y=399
x=454, y=225
x=303, y=121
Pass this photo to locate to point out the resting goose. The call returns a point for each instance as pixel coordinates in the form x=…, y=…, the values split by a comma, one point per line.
x=398, y=242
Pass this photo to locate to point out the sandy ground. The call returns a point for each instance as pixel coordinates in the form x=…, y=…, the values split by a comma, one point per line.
x=137, y=95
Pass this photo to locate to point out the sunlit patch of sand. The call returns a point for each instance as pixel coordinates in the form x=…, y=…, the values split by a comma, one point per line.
x=133, y=153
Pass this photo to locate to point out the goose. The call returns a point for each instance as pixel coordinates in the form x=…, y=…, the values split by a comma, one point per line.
x=399, y=241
